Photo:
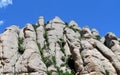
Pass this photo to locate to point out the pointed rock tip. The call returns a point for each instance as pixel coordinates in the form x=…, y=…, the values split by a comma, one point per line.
x=28, y=24
x=41, y=17
x=73, y=23
x=94, y=30
x=13, y=27
x=57, y=19
x=110, y=34
x=86, y=26
x=40, y=21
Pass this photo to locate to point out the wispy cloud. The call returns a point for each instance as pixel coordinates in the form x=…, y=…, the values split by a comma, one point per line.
x=4, y=3
x=1, y=22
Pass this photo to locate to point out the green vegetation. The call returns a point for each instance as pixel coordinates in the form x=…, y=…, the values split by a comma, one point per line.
x=46, y=60
x=45, y=36
x=68, y=63
x=107, y=72
x=83, y=32
x=98, y=37
x=46, y=23
x=20, y=48
x=74, y=29
x=49, y=72
x=63, y=58
x=54, y=59
x=35, y=26
x=71, y=27
x=51, y=60
x=62, y=43
x=66, y=23
x=28, y=73
x=69, y=57
x=46, y=40
x=60, y=72
x=40, y=49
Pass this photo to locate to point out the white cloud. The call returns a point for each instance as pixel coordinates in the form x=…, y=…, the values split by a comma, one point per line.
x=4, y=3
x=1, y=22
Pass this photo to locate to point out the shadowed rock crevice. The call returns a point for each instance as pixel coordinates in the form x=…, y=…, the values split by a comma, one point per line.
x=71, y=63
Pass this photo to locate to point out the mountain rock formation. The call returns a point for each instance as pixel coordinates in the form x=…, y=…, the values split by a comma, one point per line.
x=58, y=48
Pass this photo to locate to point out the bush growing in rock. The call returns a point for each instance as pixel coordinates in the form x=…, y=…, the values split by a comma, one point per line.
x=35, y=26
x=98, y=38
x=46, y=39
x=61, y=43
x=20, y=48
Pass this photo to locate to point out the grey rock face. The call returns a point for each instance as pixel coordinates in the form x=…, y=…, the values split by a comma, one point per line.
x=58, y=48
x=41, y=21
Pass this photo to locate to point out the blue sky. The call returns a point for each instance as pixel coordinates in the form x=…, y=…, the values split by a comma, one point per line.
x=104, y=15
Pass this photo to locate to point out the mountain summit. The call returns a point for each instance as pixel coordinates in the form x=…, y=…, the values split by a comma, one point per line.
x=58, y=48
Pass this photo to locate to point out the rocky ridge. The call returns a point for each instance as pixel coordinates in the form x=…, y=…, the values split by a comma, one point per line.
x=58, y=48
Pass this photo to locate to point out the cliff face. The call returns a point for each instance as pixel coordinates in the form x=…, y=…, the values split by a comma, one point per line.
x=58, y=48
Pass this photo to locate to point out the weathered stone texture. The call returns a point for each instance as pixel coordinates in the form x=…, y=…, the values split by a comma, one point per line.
x=58, y=48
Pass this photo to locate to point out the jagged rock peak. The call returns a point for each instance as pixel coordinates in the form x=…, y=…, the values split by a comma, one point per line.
x=58, y=48
x=57, y=20
x=73, y=23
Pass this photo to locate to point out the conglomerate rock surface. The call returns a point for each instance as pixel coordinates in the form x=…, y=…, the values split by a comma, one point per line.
x=58, y=48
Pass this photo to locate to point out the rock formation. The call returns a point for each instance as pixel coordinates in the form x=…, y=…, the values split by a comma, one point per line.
x=58, y=48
